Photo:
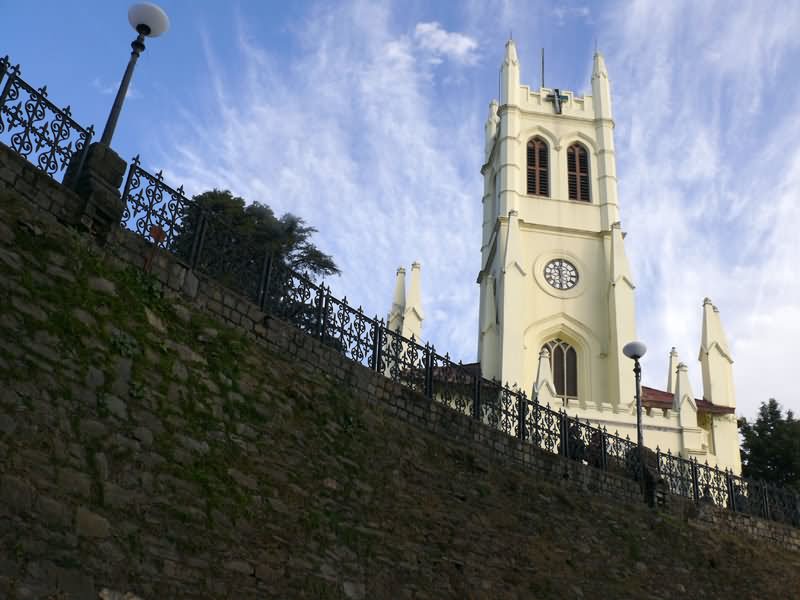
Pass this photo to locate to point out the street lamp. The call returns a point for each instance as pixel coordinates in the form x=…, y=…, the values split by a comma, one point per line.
x=148, y=20
x=635, y=351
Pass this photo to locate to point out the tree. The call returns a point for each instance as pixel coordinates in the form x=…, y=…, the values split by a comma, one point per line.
x=771, y=446
x=238, y=236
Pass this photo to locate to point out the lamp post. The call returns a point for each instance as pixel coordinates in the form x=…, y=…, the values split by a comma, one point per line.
x=635, y=351
x=148, y=20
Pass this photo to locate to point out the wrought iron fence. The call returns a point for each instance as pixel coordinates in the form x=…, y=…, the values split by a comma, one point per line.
x=209, y=243
x=35, y=128
x=700, y=482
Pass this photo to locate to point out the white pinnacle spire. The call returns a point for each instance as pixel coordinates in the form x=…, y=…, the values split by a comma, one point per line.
x=544, y=390
x=672, y=371
x=395, y=319
x=413, y=316
x=715, y=359
x=509, y=75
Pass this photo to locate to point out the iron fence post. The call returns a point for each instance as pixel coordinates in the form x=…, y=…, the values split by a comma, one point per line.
x=695, y=483
x=13, y=73
x=429, y=371
x=522, y=406
x=765, y=501
x=322, y=311
x=131, y=168
x=377, y=349
x=82, y=160
x=4, y=62
x=476, y=397
x=731, y=490
x=197, y=242
x=562, y=417
x=263, y=287
x=604, y=449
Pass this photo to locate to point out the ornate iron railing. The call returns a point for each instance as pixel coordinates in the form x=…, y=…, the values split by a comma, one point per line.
x=210, y=244
x=37, y=129
x=701, y=482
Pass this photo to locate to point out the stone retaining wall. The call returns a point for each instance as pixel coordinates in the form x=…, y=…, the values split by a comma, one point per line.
x=176, y=443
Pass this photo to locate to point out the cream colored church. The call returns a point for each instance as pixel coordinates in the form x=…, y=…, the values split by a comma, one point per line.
x=556, y=290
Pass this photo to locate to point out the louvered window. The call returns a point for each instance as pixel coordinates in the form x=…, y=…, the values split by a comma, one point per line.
x=564, y=362
x=538, y=171
x=578, y=173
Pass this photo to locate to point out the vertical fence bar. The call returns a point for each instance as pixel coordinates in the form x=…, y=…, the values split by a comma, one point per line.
x=695, y=483
x=604, y=449
x=562, y=417
x=263, y=286
x=322, y=311
x=731, y=489
x=197, y=242
x=476, y=396
x=82, y=160
x=429, y=352
x=131, y=168
x=3, y=67
x=765, y=501
x=522, y=409
x=13, y=73
x=377, y=349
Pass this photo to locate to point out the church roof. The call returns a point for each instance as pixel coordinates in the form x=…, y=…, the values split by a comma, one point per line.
x=653, y=398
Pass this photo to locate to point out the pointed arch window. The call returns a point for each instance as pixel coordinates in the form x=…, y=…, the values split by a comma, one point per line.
x=564, y=363
x=578, y=173
x=538, y=167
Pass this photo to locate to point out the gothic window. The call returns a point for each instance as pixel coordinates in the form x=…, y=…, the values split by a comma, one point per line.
x=578, y=173
x=564, y=362
x=538, y=167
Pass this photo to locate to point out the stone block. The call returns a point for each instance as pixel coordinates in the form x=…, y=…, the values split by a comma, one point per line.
x=52, y=511
x=16, y=493
x=74, y=482
x=90, y=524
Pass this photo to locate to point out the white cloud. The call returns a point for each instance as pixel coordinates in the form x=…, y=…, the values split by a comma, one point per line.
x=563, y=13
x=110, y=89
x=346, y=136
x=456, y=46
x=352, y=135
x=708, y=180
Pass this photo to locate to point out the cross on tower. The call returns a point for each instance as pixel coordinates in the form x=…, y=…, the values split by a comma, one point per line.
x=557, y=98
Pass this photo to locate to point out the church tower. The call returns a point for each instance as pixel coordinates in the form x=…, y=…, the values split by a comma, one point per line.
x=556, y=290
x=554, y=278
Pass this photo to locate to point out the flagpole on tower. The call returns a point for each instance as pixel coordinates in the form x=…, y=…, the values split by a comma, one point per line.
x=542, y=67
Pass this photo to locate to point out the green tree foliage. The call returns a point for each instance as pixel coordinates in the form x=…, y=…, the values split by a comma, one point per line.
x=771, y=446
x=238, y=236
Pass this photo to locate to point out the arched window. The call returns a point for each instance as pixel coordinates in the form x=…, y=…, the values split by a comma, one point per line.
x=538, y=167
x=578, y=173
x=564, y=362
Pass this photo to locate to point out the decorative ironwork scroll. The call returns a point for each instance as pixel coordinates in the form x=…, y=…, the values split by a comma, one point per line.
x=34, y=127
x=154, y=210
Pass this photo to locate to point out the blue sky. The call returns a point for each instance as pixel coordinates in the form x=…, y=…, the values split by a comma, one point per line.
x=366, y=119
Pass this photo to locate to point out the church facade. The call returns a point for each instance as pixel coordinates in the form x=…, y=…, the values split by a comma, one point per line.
x=557, y=300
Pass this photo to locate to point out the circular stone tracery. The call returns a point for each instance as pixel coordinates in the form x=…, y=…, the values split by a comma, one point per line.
x=561, y=274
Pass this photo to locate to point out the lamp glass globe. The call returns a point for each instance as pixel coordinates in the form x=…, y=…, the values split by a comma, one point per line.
x=634, y=350
x=147, y=13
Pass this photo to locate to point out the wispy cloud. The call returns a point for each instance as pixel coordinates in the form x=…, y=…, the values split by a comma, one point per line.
x=355, y=135
x=456, y=46
x=110, y=89
x=563, y=13
x=347, y=137
x=708, y=172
